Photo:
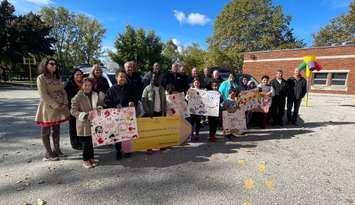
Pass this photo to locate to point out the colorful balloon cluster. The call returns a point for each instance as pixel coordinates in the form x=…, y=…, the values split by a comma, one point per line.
x=309, y=64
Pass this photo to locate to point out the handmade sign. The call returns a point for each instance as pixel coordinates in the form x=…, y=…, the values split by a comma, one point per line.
x=202, y=102
x=176, y=105
x=252, y=100
x=234, y=122
x=160, y=132
x=110, y=126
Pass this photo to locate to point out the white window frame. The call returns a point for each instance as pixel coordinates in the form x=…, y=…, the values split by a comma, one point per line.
x=328, y=85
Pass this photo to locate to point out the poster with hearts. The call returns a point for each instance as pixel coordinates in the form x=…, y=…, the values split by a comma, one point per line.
x=202, y=102
x=234, y=122
x=113, y=125
x=176, y=105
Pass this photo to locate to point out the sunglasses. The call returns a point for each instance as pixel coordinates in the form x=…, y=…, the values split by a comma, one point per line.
x=52, y=64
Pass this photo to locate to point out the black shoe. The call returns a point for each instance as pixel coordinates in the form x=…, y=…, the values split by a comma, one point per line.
x=77, y=147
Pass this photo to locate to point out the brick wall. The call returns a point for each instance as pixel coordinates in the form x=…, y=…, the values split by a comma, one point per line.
x=258, y=69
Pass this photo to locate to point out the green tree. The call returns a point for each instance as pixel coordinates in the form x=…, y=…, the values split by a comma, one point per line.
x=79, y=37
x=136, y=45
x=340, y=30
x=21, y=36
x=250, y=25
x=193, y=56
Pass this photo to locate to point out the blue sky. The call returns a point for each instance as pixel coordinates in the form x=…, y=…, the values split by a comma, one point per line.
x=185, y=21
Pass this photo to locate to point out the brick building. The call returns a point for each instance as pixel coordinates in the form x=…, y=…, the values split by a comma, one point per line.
x=338, y=63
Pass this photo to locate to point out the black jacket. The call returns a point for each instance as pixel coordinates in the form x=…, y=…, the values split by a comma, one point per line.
x=279, y=88
x=100, y=85
x=135, y=83
x=219, y=81
x=178, y=80
x=118, y=95
x=296, y=89
x=72, y=89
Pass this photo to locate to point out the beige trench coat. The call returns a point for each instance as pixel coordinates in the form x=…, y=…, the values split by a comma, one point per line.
x=53, y=98
x=81, y=106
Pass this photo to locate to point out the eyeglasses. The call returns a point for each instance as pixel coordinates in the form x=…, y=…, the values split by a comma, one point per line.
x=52, y=64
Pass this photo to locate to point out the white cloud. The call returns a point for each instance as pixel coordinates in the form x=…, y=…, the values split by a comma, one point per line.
x=178, y=44
x=40, y=2
x=191, y=18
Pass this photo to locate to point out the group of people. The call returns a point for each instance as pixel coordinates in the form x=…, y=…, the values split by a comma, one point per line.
x=75, y=100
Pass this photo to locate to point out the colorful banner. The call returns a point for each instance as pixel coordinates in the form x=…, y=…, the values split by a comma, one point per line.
x=176, y=105
x=202, y=102
x=234, y=122
x=110, y=126
x=160, y=132
x=252, y=100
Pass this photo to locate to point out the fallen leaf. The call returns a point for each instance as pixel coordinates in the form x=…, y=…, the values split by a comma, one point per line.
x=269, y=184
x=248, y=184
x=21, y=188
x=41, y=202
x=247, y=203
x=20, y=181
x=241, y=162
x=41, y=182
x=262, y=167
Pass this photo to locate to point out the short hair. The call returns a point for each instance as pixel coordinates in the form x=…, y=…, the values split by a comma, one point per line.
x=265, y=77
x=279, y=70
x=120, y=71
x=232, y=73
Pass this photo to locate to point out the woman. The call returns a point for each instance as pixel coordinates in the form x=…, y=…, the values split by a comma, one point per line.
x=227, y=85
x=72, y=87
x=53, y=107
x=267, y=91
x=195, y=119
x=100, y=83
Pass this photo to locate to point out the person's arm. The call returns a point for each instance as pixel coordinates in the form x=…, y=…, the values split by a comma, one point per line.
x=43, y=93
x=145, y=100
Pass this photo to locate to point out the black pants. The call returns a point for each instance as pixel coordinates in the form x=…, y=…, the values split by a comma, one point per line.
x=74, y=139
x=295, y=103
x=212, y=124
x=278, y=109
x=196, y=123
x=88, y=149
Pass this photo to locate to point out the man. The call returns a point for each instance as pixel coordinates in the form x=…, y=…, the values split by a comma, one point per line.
x=134, y=81
x=205, y=78
x=279, y=98
x=215, y=78
x=148, y=76
x=194, y=74
x=175, y=79
x=296, y=89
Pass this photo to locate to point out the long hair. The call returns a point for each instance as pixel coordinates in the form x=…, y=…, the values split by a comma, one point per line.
x=73, y=73
x=42, y=68
x=94, y=67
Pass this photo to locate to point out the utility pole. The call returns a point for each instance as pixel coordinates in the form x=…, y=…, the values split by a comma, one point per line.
x=29, y=61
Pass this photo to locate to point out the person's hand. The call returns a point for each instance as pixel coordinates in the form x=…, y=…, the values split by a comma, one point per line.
x=131, y=104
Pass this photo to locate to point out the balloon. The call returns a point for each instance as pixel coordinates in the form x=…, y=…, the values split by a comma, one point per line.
x=309, y=58
x=317, y=66
x=302, y=66
x=311, y=65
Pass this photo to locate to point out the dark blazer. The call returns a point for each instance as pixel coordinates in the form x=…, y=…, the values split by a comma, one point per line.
x=118, y=95
x=280, y=89
x=296, y=89
x=72, y=89
x=135, y=83
x=100, y=85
